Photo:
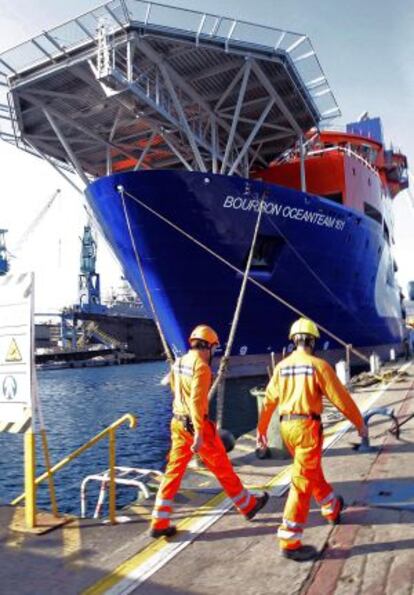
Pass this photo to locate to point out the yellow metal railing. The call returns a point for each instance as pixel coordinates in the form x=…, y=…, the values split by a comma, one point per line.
x=33, y=482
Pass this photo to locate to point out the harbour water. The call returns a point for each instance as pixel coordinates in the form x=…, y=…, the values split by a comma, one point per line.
x=77, y=404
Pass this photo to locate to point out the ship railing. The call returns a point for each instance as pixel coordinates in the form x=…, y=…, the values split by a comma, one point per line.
x=292, y=153
x=110, y=432
x=346, y=151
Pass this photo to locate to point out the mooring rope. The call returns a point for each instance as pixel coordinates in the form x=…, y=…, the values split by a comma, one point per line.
x=165, y=345
x=317, y=277
x=219, y=382
x=251, y=279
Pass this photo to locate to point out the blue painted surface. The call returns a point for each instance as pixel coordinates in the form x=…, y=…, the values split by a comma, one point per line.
x=329, y=262
x=369, y=128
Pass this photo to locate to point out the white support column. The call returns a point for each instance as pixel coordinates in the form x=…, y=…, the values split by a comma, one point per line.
x=55, y=167
x=183, y=117
x=236, y=114
x=279, y=102
x=108, y=161
x=144, y=152
x=79, y=126
x=177, y=152
x=111, y=136
x=302, y=165
x=130, y=60
x=214, y=141
x=71, y=155
x=251, y=136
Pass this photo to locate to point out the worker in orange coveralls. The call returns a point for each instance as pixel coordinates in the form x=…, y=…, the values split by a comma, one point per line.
x=297, y=386
x=192, y=432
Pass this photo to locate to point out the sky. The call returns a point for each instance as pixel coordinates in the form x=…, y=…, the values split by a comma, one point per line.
x=366, y=50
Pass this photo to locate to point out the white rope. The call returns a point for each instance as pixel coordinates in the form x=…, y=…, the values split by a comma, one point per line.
x=251, y=279
x=218, y=384
x=165, y=345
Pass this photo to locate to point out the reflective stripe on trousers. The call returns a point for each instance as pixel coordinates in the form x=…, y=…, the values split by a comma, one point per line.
x=329, y=507
x=213, y=455
x=303, y=438
x=244, y=501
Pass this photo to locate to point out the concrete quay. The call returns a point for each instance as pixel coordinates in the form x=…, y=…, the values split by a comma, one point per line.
x=371, y=552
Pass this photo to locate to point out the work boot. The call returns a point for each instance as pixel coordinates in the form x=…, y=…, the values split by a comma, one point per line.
x=300, y=554
x=261, y=501
x=341, y=505
x=167, y=532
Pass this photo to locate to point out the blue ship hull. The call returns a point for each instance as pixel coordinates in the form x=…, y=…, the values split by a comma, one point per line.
x=329, y=261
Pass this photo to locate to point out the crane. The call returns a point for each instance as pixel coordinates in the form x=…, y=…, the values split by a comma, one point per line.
x=30, y=229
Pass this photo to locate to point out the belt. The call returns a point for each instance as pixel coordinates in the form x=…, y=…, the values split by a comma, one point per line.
x=184, y=418
x=292, y=416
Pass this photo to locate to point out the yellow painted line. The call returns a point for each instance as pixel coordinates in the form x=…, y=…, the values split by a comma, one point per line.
x=249, y=437
x=127, y=576
x=126, y=567
x=140, y=510
x=244, y=448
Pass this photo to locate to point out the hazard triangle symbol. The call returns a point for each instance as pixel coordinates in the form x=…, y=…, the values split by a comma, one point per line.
x=13, y=353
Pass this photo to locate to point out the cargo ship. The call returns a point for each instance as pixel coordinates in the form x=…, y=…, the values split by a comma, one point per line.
x=179, y=125
x=327, y=251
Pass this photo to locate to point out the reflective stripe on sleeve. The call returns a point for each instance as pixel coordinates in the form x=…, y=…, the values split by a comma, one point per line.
x=183, y=370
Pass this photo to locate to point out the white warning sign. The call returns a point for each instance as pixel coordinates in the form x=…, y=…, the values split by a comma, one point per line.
x=16, y=352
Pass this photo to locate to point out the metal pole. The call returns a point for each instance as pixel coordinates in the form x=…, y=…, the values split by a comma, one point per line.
x=302, y=165
x=70, y=153
x=348, y=349
x=29, y=478
x=112, y=485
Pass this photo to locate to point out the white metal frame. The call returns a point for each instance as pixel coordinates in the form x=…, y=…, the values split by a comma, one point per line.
x=201, y=133
x=129, y=476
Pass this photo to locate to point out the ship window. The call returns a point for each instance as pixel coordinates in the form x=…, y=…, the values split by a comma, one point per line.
x=386, y=233
x=353, y=171
x=372, y=212
x=266, y=252
x=390, y=274
x=369, y=181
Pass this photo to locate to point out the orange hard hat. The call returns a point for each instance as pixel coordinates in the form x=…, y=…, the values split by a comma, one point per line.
x=204, y=333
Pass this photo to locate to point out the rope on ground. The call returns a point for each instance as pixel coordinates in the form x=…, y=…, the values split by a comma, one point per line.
x=165, y=345
x=218, y=384
x=251, y=279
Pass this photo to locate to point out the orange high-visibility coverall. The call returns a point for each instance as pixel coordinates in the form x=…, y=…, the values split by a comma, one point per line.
x=190, y=381
x=297, y=386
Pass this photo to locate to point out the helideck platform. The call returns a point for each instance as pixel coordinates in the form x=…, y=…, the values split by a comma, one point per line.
x=371, y=551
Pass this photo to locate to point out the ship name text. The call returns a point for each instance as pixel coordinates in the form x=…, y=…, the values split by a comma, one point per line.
x=284, y=211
